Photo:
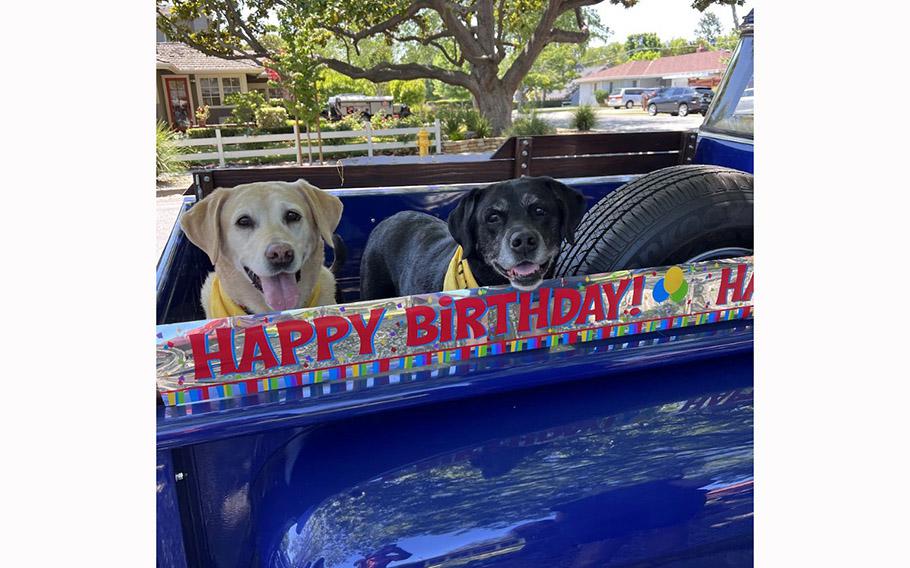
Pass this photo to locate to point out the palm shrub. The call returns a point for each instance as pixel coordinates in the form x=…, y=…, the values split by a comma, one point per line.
x=531, y=125
x=452, y=120
x=583, y=119
x=166, y=152
x=478, y=124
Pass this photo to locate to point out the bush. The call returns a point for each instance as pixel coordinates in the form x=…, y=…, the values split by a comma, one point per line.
x=166, y=152
x=584, y=118
x=245, y=107
x=452, y=120
x=531, y=125
x=601, y=96
x=478, y=124
x=271, y=117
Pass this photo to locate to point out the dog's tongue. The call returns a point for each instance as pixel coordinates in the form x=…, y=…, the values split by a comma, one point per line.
x=281, y=292
x=525, y=268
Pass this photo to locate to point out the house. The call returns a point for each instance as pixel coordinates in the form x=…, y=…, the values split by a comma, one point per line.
x=702, y=68
x=187, y=79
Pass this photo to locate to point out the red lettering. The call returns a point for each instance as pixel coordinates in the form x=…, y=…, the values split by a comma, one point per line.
x=445, y=319
x=289, y=345
x=199, y=343
x=747, y=295
x=366, y=332
x=501, y=303
x=593, y=305
x=614, y=297
x=425, y=325
x=467, y=313
x=560, y=295
x=541, y=311
x=329, y=330
x=726, y=284
x=256, y=347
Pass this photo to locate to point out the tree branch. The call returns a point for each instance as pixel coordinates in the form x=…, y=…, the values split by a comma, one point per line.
x=471, y=48
x=383, y=72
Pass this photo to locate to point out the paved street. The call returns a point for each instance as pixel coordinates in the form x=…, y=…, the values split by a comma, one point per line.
x=622, y=120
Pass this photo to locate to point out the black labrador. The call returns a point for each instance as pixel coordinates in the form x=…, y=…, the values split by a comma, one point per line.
x=510, y=232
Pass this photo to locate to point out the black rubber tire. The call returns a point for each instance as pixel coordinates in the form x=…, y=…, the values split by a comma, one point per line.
x=681, y=107
x=665, y=217
x=652, y=109
x=628, y=104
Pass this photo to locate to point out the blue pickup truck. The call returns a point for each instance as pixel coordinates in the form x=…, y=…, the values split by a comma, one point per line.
x=625, y=445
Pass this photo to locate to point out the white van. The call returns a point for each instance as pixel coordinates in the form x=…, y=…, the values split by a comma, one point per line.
x=628, y=97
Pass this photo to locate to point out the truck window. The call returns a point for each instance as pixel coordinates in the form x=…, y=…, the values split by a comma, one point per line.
x=732, y=111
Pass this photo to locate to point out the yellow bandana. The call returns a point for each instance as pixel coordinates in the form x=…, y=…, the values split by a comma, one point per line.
x=222, y=306
x=458, y=275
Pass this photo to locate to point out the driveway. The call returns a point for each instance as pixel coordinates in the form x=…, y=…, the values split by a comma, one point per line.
x=622, y=120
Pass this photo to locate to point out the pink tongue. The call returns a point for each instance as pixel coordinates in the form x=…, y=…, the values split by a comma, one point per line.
x=525, y=268
x=281, y=292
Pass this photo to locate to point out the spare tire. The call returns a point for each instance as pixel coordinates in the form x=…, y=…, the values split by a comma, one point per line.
x=669, y=216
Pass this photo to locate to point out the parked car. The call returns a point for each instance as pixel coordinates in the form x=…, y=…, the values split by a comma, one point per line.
x=649, y=94
x=746, y=105
x=625, y=98
x=681, y=101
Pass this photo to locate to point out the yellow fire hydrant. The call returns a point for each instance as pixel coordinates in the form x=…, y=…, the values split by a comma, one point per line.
x=423, y=142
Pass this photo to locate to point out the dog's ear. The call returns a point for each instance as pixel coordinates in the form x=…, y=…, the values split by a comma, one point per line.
x=202, y=223
x=461, y=221
x=326, y=209
x=571, y=204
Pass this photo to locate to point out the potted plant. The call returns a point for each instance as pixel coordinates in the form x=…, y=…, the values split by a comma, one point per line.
x=202, y=115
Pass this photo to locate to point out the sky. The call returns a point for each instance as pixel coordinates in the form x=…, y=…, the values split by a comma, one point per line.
x=667, y=18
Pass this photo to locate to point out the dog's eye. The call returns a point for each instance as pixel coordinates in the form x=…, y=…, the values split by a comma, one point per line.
x=540, y=211
x=494, y=217
x=244, y=221
x=291, y=216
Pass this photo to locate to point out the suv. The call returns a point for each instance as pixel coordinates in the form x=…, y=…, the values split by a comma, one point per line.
x=681, y=101
x=625, y=98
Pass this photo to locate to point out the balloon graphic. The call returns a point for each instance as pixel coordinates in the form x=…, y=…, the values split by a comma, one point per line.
x=660, y=293
x=680, y=294
x=673, y=279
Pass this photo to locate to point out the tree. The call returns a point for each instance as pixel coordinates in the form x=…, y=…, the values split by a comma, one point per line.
x=702, y=5
x=678, y=46
x=411, y=93
x=708, y=28
x=553, y=70
x=611, y=54
x=643, y=46
x=487, y=46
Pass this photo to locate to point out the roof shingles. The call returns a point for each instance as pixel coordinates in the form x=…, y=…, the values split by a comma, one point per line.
x=702, y=61
x=185, y=59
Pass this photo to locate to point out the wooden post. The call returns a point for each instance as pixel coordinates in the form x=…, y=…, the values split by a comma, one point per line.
x=220, y=147
x=369, y=139
x=319, y=136
x=437, y=132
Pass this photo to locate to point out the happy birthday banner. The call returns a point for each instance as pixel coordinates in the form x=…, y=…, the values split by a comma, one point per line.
x=229, y=357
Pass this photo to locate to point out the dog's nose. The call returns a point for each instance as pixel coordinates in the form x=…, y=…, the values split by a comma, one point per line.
x=524, y=241
x=279, y=254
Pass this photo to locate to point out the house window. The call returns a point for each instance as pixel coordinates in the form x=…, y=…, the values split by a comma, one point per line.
x=210, y=91
x=230, y=85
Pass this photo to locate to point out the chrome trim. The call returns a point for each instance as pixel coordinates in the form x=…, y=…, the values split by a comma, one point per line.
x=703, y=133
x=359, y=191
x=716, y=254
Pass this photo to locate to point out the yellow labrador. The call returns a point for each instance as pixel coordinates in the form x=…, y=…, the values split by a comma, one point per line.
x=265, y=241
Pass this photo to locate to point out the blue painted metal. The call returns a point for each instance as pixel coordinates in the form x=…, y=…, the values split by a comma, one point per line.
x=731, y=153
x=653, y=465
x=170, y=530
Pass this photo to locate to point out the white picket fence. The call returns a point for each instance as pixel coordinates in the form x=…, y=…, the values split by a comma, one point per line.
x=222, y=155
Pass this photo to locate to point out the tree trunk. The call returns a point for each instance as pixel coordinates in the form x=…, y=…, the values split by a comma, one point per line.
x=735, y=17
x=496, y=106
